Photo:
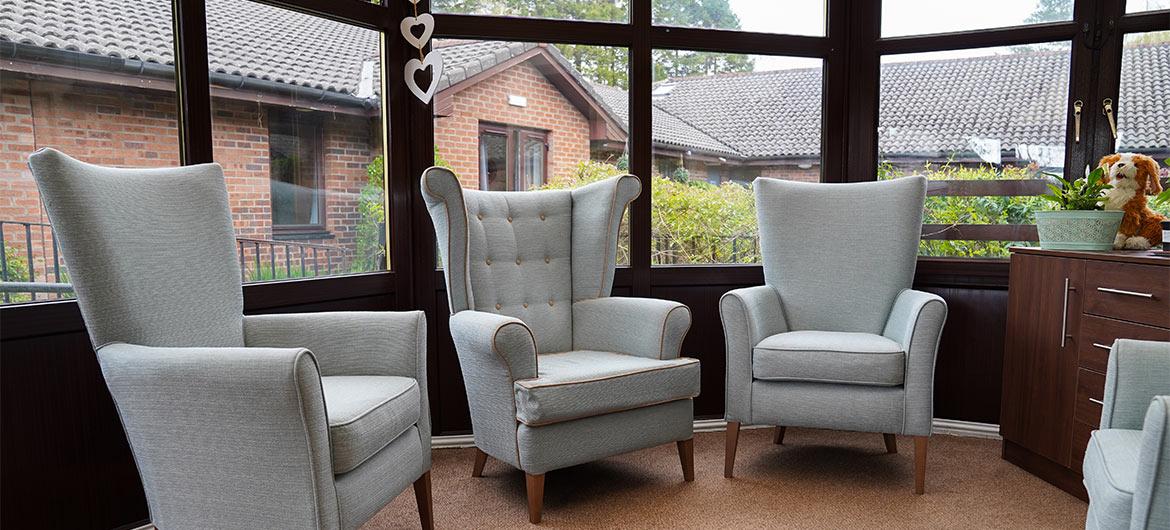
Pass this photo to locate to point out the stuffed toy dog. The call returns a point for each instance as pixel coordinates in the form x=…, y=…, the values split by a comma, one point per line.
x=1133, y=176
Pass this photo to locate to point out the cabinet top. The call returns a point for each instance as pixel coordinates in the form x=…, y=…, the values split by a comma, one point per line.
x=1144, y=257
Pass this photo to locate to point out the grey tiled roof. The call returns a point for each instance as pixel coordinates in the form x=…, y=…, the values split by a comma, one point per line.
x=927, y=107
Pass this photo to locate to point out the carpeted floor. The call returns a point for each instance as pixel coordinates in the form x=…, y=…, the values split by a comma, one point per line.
x=817, y=479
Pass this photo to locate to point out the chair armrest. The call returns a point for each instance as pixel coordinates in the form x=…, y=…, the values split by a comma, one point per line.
x=1151, y=494
x=749, y=316
x=916, y=322
x=645, y=327
x=236, y=424
x=354, y=343
x=1138, y=370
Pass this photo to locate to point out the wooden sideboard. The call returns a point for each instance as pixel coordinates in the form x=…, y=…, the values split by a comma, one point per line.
x=1065, y=309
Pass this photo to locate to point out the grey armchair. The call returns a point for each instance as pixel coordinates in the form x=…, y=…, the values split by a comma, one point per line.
x=1127, y=463
x=557, y=372
x=835, y=338
x=275, y=421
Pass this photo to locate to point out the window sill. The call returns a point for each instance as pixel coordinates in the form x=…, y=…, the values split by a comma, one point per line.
x=301, y=236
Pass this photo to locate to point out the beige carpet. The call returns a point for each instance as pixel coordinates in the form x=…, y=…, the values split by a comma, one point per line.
x=817, y=479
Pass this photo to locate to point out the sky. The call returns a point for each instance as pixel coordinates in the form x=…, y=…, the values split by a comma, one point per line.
x=899, y=17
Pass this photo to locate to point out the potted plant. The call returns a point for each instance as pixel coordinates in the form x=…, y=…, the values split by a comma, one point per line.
x=1079, y=221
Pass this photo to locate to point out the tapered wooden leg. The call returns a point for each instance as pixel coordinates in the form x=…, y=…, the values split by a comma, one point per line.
x=535, y=496
x=480, y=460
x=686, y=456
x=422, y=496
x=920, y=464
x=779, y=439
x=891, y=443
x=729, y=448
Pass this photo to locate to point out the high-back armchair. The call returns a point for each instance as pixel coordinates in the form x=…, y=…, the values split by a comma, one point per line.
x=557, y=372
x=1127, y=463
x=836, y=338
x=274, y=421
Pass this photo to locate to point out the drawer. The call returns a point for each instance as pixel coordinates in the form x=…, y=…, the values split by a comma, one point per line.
x=1090, y=391
x=1098, y=333
x=1080, y=441
x=1127, y=291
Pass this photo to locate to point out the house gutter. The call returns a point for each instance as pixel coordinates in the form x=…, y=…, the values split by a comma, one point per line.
x=135, y=67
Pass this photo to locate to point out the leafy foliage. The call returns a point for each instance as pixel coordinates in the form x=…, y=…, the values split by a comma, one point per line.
x=1081, y=194
x=17, y=271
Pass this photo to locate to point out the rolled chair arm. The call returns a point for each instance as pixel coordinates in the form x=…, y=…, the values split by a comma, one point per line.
x=749, y=316
x=1151, y=494
x=354, y=343
x=1138, y=370
x=916, y=322
x=645, y=327
x=245, y=426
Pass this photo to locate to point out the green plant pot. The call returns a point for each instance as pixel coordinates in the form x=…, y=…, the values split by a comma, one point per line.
x=1078, y=229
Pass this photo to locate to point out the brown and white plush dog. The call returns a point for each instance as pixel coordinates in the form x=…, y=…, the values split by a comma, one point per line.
x=1133, y=176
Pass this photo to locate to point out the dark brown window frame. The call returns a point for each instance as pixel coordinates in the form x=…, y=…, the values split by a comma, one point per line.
x=513, y=134
x=298, y=120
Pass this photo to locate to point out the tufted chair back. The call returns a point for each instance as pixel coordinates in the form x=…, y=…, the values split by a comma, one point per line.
x=530, y=254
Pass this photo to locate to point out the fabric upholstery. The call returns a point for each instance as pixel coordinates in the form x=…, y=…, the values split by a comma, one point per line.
x=830, y=357
x=1137, y=371
x=151, y=252
x=916, y=322
x=645, y=327
x=749, y=316
x=838, y=254
x=579, y=384
x=192, y=414
x=1151, y=501
x=365, y=413
x=543, y=449
x=826, y=406
x=539, y=340
x=365, y=490
x=1110, y=471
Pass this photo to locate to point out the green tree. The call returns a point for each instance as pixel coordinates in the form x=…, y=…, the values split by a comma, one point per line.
x=1050, y=11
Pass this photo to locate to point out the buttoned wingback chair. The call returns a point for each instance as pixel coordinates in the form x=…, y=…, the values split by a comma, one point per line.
x=836, y=338
x=557, y=372
x=1127, y=463
x=274, y=421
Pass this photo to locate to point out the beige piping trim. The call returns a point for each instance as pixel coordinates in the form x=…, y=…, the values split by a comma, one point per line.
x=614, y=411
x=662, y=340
x=686, y=362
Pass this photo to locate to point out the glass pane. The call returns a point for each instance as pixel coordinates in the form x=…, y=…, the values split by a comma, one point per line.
x=1138, y=6
x=716, y=133
x=992, y=114
x=593, y=10
x=764, y=16
x=1143, y=107
x=521, y=116
x=918, y=17
x=104, y=101
x=296, y=124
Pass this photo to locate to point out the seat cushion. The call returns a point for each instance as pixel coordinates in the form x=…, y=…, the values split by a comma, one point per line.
x=829, y=357
x=1111, y=466
x=578, y=384
x=366, y=413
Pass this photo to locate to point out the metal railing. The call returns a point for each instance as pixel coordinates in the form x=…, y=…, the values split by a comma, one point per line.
x=32, y=269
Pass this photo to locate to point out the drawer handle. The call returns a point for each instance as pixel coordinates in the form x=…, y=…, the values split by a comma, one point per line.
x=1102, y=346
x=1097, y=401
x=1064, y=315
x=1126, y=293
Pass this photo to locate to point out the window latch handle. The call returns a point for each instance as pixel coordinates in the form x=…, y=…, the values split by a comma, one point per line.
x=1077, y=105
x=1107, y=110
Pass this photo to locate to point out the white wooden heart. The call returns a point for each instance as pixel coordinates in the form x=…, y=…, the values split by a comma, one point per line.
x=433, y=61
x=407, y=27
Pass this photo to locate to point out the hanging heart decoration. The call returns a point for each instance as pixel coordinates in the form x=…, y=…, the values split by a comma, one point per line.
x=432, y=61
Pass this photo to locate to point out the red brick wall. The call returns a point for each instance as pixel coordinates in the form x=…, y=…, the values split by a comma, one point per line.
x=457, y=135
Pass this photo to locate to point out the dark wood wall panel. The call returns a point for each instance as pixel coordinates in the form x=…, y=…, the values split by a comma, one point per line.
x=970, y=360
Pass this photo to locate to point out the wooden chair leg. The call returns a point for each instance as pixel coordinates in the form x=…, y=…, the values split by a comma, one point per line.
x=480, y=460
x=422, y=496
x=535, y=485
x=686, y=456
x=891, y=443
x=729, y=448
x=779, y=439
x=920, y=464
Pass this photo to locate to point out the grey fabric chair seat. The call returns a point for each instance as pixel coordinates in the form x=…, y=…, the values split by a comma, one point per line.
x=579, y=384
x=366, y=413
x=1113, y=455
x=830, y=357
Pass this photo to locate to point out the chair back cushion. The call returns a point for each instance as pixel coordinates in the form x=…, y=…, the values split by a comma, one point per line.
x=150, y=252
x=839, y=254
x=529, y=254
